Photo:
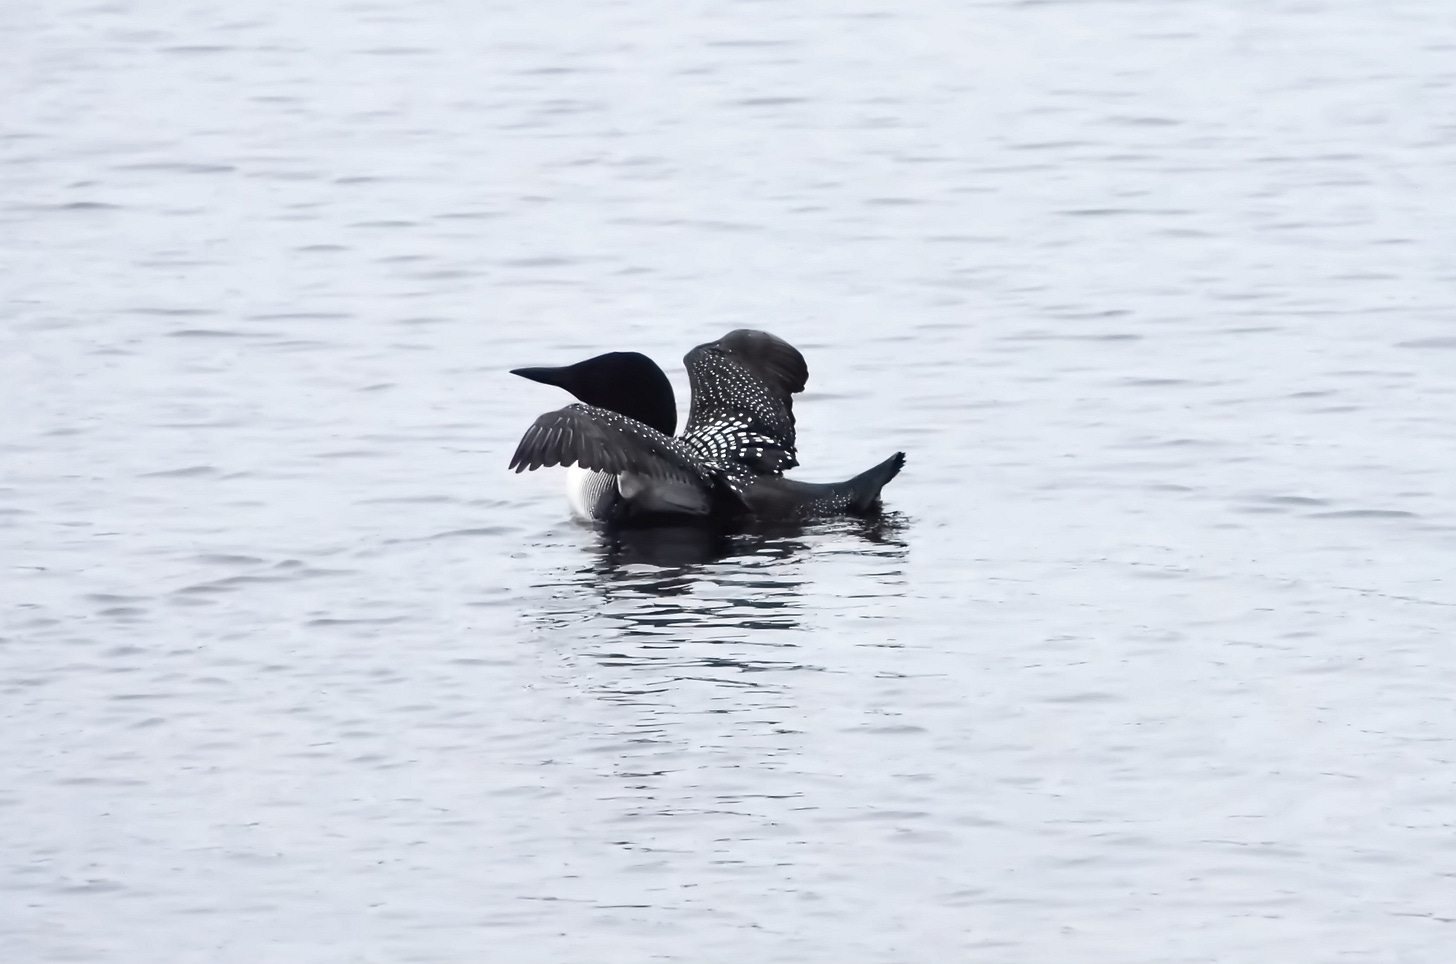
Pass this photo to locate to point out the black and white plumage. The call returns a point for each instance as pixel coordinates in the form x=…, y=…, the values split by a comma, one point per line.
x=740, y=437
x=654, y=473
x=742, y=406
x=601, y=439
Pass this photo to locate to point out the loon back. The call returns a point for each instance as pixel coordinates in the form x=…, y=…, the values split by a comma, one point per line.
x=775, y=497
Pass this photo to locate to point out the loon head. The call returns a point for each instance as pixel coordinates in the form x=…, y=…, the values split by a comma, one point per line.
x=625, y=382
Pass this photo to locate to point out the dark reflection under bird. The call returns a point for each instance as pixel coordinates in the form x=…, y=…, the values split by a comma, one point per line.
x=653, y=615
x=646, y=578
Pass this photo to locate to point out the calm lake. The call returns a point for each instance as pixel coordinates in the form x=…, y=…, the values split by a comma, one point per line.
x=1149, y=659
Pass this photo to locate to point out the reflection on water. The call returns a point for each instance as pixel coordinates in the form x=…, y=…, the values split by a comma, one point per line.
x=678, y=547
x=685, y=599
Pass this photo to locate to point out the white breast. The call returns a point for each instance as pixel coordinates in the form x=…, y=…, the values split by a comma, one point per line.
x=590, y=493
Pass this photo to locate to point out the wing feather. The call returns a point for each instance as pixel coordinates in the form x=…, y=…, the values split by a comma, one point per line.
x=742, y=408
x=597, y=438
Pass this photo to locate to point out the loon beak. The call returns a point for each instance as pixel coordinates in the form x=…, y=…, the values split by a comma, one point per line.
x=546, y=376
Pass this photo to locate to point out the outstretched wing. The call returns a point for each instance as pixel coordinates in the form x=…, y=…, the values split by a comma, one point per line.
x=598, y=438
x=742, y=408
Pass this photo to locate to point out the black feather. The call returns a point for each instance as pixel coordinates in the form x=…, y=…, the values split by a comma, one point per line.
x=742, y=407
x=595, y=438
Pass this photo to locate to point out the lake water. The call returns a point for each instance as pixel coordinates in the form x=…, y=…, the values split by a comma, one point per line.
x=1150, y=658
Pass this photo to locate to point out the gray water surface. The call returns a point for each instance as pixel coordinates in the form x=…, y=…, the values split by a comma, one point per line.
x=1150, y=658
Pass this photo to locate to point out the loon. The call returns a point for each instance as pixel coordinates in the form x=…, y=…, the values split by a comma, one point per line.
x=626, y=464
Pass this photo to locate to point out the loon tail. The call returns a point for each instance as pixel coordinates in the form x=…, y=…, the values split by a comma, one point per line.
x=777, y=497
x=863, y=491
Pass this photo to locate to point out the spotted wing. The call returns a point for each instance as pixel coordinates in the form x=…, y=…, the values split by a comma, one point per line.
x=598, y=438
x=742, y=410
